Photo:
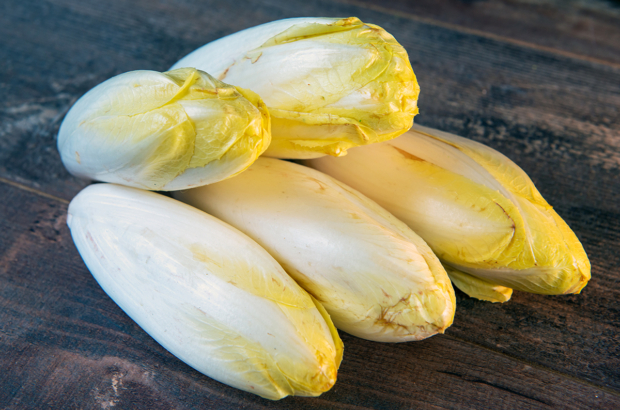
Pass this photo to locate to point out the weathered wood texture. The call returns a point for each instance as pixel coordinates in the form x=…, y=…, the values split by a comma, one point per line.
x=65, y=343
x=588, y=28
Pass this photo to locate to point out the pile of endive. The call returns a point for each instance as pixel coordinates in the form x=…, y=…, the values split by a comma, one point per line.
x=247, y=273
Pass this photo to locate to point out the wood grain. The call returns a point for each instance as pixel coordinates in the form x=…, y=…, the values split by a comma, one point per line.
x=557, y=117
x=65, y=344
x=589, y=29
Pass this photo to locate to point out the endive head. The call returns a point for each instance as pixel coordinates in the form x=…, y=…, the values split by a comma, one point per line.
x=206, y=292
x=377, y=279
x=477, y=210
x=163, y=131
x=330, y=84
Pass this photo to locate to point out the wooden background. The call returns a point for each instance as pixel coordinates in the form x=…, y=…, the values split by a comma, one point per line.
x=539, y=81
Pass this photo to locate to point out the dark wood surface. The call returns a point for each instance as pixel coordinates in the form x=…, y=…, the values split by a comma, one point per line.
x=520, y=76
x=585, y=29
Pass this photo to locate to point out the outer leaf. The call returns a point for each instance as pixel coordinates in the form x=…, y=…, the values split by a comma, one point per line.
x=206, y=292
x=377, y=279
x=478, y=288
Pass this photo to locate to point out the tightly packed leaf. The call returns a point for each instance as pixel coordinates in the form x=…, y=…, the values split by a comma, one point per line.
x=206, y=292
x=477, y=210
x=163, y=131
x=377, y=279
x=329, y=84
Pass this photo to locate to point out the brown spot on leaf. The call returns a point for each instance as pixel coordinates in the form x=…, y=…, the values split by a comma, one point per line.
x=321, y=184
x=407, y=154
x=508, y=215
x=224, y=74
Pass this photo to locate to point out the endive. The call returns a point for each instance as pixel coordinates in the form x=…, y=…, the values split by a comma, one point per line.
x=477, y=210
x=163, y=131
x=377, y=279
x=330, y=84
x=206, y=292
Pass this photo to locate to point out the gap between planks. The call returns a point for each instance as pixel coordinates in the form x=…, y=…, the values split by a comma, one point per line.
x=33, y=190
x=480, y=33
x=456, y=338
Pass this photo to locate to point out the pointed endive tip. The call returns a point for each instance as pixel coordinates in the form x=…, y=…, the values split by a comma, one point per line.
x=332, y=329
x=584, y=278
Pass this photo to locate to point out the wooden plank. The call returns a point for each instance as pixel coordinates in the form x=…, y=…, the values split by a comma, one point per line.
x=589, y=29
x=65, y=344
x=556, y=117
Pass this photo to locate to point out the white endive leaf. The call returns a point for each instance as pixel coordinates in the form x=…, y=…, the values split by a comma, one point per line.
x=476, y=209
x=329, y=84
x=205, y=291
x=377, y=279
x=163, y=131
